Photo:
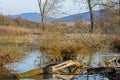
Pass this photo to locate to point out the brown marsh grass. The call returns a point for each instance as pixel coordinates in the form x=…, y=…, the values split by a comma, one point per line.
x=10, y=30
x=59, y=44
x=12, y=41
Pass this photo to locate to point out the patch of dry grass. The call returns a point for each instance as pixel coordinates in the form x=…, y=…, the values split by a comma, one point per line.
x=10, y=30
x=86, y=44
x=12, y=41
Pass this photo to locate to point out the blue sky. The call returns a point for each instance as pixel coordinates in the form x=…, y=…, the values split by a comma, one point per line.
x=12, y=7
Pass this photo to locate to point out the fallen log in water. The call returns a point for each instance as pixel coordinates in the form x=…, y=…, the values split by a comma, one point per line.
x=101, y=69
x=49, y=69
x=68, y=64
x=31, y=73
x=113, y=73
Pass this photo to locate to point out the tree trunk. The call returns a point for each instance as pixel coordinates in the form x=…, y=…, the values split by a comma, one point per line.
x=43, y=25
x=91, y=16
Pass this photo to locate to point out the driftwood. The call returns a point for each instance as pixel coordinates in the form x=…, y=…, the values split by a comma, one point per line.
x=73, y=66
x=50, y=69
x=96, y=70
x=64, y=65
x=108, y=63
x=31, y=73
x=113, y=73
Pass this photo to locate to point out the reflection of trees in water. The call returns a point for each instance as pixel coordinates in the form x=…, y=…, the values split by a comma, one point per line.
x=75, y=77
x=112, y=73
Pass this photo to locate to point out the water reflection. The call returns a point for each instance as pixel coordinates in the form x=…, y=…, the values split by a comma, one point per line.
x=63, y=77
x=30, y=62
x=35, y=59
x=90, y=77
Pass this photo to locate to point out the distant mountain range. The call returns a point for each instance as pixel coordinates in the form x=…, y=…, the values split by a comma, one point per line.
x=80, y=16
x=72, y=18
x=32, y=17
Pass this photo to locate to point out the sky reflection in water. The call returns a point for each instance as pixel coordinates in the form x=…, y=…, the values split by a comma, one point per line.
x=33, y=59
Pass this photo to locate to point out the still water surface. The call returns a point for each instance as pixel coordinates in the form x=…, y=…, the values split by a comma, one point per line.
x=35, y=59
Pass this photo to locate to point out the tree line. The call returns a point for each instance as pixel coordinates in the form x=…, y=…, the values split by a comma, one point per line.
x=48, y=6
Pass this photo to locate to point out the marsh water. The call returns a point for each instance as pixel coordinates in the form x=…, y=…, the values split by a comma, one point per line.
x=36, y=59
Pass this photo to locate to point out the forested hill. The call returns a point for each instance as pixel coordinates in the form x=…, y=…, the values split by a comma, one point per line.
x=71, y=18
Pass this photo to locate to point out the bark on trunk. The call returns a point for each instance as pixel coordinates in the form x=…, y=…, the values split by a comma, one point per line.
x=91, y=16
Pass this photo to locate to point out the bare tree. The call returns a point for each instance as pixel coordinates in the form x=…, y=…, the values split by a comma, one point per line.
x=91, y=5
x=112, y=9
x=110, y=4
x=91, y=14
x=46, y=7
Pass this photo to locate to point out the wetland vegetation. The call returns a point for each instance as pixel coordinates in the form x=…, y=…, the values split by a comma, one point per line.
x=24, y=41
x=59, y=41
